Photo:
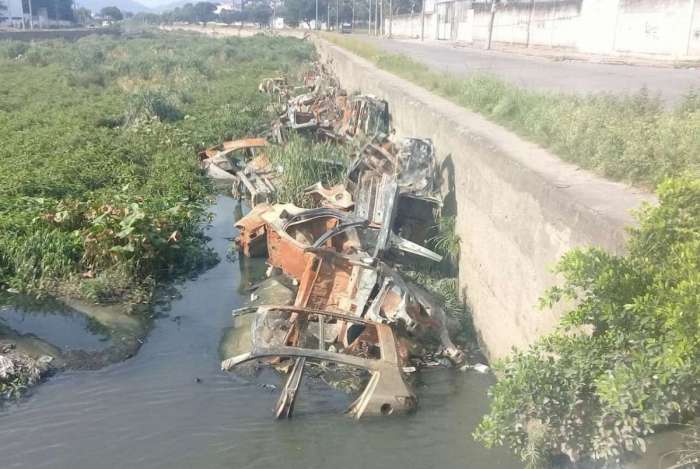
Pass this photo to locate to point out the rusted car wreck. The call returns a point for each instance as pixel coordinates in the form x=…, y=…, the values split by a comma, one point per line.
x=245, y=165
x=331, y=337
x=351, y=305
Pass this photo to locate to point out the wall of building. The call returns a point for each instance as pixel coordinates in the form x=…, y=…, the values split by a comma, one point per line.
x=518, y=207
x=653, y=26
x=406, y=26
x=667, y=29
x=552, y=25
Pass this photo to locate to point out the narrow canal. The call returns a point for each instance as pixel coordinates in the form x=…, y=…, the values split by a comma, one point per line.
x=171, y=407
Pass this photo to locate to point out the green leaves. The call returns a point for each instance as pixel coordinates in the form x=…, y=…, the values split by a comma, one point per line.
x=99, y=183
x=626, y=357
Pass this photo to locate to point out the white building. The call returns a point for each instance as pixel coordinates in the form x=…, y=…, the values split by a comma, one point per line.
x=13, y=12
x=666, y=29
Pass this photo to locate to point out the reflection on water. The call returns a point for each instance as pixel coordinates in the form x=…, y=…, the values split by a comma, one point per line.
x=58, y=325
x=171, y=407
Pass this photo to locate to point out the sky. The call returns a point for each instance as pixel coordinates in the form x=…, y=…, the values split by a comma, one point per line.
x=155, y=3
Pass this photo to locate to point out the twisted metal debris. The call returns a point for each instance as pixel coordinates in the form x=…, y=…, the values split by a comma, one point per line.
x=352, y=306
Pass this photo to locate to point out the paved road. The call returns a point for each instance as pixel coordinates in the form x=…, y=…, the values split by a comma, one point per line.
x=547, y=74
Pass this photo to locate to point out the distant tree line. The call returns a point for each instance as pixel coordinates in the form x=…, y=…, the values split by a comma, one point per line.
x=113, y=13
x=252, y=11
x=260, y=12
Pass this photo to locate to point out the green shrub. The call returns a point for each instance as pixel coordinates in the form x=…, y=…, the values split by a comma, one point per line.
x=626, y=358
x=99, y=185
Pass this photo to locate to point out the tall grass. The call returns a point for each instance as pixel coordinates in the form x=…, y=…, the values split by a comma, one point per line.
x=631, y=139
x=99, y=192
x=305, y=162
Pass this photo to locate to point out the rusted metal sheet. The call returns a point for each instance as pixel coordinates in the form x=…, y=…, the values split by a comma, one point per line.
x=252, y=233
x=222, y=162
x=335, y=272
x=258, y=180
x=359, y=344
x=334, y=197
x=249, y=145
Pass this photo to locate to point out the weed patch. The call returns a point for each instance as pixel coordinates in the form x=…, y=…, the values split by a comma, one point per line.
x=631, y=139
x=99, y=192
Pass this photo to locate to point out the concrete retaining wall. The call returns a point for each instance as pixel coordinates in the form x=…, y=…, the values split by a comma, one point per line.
x=518, y=207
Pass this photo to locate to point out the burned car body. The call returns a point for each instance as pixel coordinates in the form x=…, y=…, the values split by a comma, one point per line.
x=341, y=260
x=245, y=164
x=224, y=160
x=336, y=272
x=354, y=342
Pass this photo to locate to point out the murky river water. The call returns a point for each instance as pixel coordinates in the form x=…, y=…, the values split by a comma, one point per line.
x=171, y=406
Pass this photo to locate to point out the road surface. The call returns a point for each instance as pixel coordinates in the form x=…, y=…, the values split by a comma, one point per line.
x=541, y=73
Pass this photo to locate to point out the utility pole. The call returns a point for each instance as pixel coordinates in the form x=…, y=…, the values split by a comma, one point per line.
x=328, y=17
x=31, y=16
x=391, y=16
x=422, y=20
x=337, y=15
x=376, y=16
x=381, y=17
x=316, y=23
x=690, y=26
x=369, y=17
x=352, y=24
x=491, y=20
x=9, y=13
x=529, y=22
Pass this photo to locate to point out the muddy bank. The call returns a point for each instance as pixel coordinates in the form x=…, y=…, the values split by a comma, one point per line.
x=50, y=335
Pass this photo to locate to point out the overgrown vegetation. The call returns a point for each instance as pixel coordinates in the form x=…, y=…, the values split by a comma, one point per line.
x=100, y=194
x=305, y=162
x=626, y=358
x=632, y=139
x=441, y=279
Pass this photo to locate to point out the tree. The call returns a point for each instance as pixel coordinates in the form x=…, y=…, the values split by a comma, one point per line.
x=626, y=359
x=203, y=12
x=148, y=18
x=83, y=15
x=198, y=12
x=112, y=13
x=296, y=12
x=231, y=16
x=3, y=7
x=260, y=13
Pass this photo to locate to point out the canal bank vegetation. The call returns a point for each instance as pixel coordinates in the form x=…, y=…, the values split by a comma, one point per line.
x=625, y=362
x=303, y=162
x=632, y=139
x=100, y=196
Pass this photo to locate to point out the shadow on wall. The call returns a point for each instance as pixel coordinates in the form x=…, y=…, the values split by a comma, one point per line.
x=447, y=183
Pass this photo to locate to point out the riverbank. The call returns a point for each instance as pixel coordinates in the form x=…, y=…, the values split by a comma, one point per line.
x=101, y=200
x=171, y=406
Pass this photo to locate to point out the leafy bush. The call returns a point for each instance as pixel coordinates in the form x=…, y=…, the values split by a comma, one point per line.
x=100, y=192
x=626, y=358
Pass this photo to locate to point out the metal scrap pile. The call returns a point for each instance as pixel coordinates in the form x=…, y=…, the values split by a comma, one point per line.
x=352, y=307
x=327, y=110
